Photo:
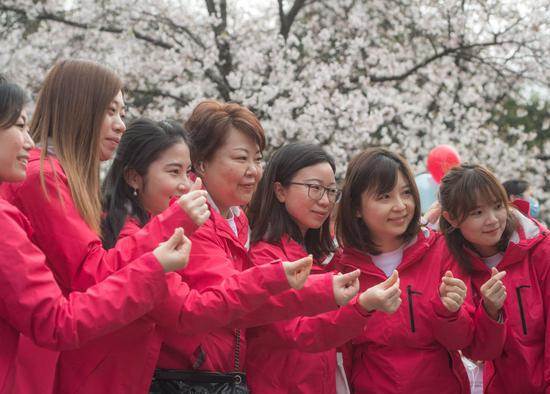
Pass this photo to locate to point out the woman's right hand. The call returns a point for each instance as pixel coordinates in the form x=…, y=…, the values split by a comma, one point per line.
x=345, y=286
x=298, y=271
x=493, y=293
x=194, y=203
x=173, y=254
x=384, y=297
x=433, y=213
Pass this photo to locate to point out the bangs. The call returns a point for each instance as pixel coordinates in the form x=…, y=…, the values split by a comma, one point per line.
x=374, y=172
x=382, y=176
x=488, y=192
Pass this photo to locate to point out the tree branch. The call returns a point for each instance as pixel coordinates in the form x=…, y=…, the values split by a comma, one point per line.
x=47, y=16
x=159, y=93
x=225, y=59
x=288, y=18
x=434, y=57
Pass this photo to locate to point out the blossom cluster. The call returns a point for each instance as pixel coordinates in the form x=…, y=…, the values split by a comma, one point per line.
x=408, y=75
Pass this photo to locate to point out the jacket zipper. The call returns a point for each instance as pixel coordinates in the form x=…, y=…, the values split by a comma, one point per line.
x=410, y=293
x=518, y=294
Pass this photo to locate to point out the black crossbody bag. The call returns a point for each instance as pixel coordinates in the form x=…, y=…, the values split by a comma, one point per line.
x=176, y=381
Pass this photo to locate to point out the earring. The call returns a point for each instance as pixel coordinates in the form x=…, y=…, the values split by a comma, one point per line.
x=135, y=193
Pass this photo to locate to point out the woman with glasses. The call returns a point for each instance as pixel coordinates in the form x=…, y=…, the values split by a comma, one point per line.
x=299, y=355
x=226, y=142
x=415, y=350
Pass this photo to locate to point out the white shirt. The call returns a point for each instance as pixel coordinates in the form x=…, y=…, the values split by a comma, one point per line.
x=492, y=261
x=388, y=261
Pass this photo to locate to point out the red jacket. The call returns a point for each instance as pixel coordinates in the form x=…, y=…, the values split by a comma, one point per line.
x=217, y=253
x=523, y=365
x=298, y=355
x=31, y=302
x=73, y=251
x=123, y=362
x=414, y=350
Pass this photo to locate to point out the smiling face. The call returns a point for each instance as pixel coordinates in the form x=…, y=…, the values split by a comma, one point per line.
x=233, y=172
x=306, y=212
x=474, y=202
x=388, y=215
x=166, y=177
x=112, y=127
x=484, y=225
x=15, y=144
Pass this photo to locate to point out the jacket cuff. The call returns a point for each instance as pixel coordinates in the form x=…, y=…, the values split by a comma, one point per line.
x=274, y=277
x=442, y=312
x=363, y=313
x=483, y=316
x=174, y=216
x=319, y=295
x=149, y=263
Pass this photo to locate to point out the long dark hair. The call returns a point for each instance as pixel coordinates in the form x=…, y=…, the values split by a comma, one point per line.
x=143, y=142
x=373, y=171
x=12, y=101
x=268, y=217
x=460, y=191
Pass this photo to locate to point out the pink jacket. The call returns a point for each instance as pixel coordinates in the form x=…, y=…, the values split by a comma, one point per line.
x=522, y=364
x=217, y=254
x=414, y=350
x=31, y=303
x=298, y=355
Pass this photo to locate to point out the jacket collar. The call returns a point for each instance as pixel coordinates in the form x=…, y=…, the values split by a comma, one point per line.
x=222, y=227
x=293, y=250
x=527, y=235
x=413, y=252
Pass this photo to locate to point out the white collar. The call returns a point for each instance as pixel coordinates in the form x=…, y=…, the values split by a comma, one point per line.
x=233, y=211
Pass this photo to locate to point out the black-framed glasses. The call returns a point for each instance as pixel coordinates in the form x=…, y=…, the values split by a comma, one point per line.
x=316, y=192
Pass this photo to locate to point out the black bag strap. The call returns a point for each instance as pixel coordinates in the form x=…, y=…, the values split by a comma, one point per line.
x=237, y=350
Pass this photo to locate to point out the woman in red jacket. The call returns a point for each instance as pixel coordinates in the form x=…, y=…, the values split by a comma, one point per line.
x=299, y=191
x=414, y=350
x=148, y=171
x=77, y=122
x=150, y=168
x=487, y=238
x=32, y=303
x=227, y=141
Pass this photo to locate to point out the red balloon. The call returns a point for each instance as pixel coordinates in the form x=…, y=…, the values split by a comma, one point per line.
x=441, y=159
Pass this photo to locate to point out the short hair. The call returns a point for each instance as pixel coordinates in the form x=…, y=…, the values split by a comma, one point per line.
x=373, y=171
x=211, y=121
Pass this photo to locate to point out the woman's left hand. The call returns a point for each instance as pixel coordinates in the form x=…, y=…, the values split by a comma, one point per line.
x=452, y=292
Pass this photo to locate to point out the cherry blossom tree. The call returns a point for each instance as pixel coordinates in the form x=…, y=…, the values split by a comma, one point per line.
x=347, y=74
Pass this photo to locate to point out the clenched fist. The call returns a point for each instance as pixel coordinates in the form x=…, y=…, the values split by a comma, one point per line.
x=493, y=293
x=452, y=292
x=194, y=203
x=384, y=297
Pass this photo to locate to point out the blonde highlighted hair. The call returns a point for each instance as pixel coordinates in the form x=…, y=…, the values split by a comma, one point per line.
x=69, y=113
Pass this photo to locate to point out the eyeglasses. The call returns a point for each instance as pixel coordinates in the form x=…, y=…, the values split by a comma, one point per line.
x=316, y=192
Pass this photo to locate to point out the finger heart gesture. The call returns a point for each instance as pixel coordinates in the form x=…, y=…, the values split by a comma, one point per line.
x=452, y=292
x=194, y=203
